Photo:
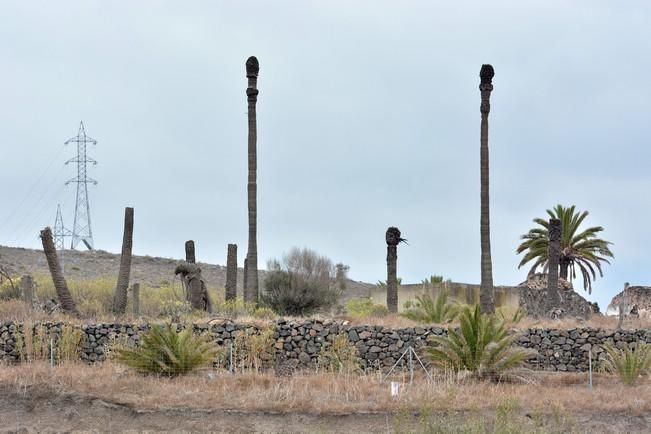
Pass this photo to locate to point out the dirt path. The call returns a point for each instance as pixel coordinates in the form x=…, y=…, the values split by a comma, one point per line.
x=44, y=409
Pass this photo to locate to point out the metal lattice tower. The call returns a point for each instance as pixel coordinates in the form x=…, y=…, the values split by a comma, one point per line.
x=60, y=233
x=81, y=230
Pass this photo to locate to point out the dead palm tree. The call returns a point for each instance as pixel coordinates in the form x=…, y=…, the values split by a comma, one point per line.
x=189, y=252
x=251, y=290
x=60, y=285
x=554, y=253
x=486, y=295
x=231, y=273
x=393, y=238
x=120, y=296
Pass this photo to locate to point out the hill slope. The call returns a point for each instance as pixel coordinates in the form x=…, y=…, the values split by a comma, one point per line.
x=147, y=270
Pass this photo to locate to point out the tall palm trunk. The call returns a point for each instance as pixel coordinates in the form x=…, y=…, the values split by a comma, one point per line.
x=486, y=291
x=553, y=255
x=189, y=252
x=392, y=237
x=251, y=290
x=231, y=273
x=120, y=296
x=60, y=285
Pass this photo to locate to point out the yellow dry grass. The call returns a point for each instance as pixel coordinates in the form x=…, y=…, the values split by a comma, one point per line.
x=326, y=393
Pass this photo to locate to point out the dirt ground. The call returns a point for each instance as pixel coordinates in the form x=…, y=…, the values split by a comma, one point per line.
x=46, y=409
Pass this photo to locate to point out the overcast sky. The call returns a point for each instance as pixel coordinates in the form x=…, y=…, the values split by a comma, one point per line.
x=368, y=117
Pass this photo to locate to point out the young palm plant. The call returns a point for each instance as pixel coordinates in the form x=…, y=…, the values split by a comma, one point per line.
x=579, y=248
x=428, y=310
x=627, y=363
x=163, y=350
x=481, y=345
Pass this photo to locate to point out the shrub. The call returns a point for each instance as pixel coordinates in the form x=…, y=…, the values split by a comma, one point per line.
x=68, y=344
x=252, y=349
x=264, y=313
x=34, y=342
x=364, y=308
x=629, y=364
x=302, y=284
x=9, y=289
x=175, y=309
x=340, y=356
x=234, y=308
x=481, y=345
x=511, y=315
x=163, y=350
x=437, y=311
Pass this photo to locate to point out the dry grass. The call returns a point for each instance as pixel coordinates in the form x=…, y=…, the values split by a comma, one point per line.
x=325, y=393
x=597, y=321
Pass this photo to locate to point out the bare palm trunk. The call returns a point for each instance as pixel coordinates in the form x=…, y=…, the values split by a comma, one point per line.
x=393, y=239
x=27, y=289
x=120, y=296
x=245, y=274
x=251, y=290
x=231, y=273
x=60, y=285
x=135, y=293
x=553, y=256
x=486, y=291
x=564, y=267
x=189, y=252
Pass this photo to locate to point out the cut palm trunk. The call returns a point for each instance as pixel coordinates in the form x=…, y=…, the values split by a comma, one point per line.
x=189, y=252
x=553, y=256
x=63, y=293
x=120, y=296
x=393, y=238
x=231, y=273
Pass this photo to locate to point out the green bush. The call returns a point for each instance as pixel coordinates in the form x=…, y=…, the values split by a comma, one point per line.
x=340, y=356
x=302, y=284
x=629, y=364
x=162, y=350
x=437, y=311
x=364, y=308
x=481, y=345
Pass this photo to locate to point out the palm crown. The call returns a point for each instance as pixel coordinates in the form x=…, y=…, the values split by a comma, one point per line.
x=579, y=249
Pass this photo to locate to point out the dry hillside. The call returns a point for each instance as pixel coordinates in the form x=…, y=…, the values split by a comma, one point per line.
x=147, y=270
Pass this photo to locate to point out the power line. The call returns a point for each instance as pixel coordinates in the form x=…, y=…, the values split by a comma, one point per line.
x=14, y=210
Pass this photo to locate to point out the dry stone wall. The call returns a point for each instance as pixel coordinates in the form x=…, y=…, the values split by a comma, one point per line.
x=301, y=342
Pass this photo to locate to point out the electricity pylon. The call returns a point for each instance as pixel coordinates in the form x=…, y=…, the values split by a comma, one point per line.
x=81, y=229
x=60, y=233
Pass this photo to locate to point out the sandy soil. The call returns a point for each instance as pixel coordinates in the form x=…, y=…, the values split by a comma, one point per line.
x=46, y=409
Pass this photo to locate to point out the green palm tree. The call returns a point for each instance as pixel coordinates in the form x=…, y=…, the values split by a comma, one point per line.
x=433, y=310
x=580, y=249
x=481, y=345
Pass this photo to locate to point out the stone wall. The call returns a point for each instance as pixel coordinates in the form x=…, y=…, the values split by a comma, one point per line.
x=378, y=346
